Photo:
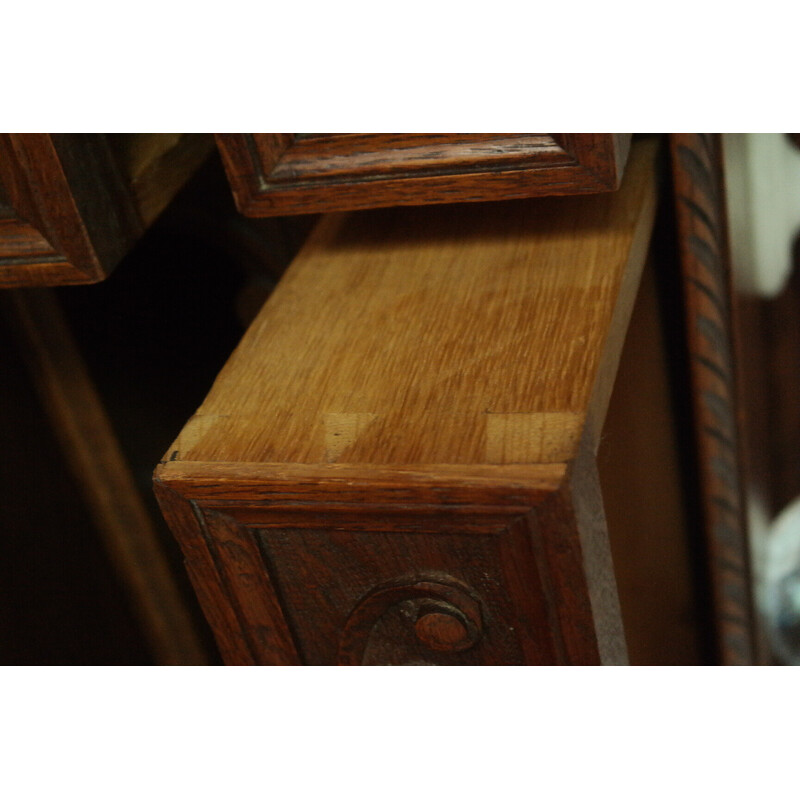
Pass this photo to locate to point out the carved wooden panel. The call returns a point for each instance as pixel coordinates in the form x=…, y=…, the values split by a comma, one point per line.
x=423, y=592
x=481, y=572
x=71, y=205
x=397, y=464
x=285, y=173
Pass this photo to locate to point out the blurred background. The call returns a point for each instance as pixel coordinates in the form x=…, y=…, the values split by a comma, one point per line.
x=153, y=337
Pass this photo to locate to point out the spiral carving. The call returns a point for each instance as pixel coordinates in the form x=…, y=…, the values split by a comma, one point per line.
x=443, y=617
x=700, y=210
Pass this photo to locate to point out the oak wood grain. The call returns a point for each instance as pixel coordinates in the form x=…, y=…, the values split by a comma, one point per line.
x=397, y=337
x=418, y=403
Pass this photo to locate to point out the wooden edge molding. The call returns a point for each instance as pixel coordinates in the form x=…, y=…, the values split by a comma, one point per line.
x=576, y=163
x=332, y=477
x=244, y=630
x=706, y=271
x=215, y=521
x=364, y=498
x=213, y=509
x=72, y=205
x=64, y=190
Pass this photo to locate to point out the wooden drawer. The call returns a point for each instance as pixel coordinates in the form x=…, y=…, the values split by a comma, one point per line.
x=71, y=205
x=287, y=173
x=397, y=465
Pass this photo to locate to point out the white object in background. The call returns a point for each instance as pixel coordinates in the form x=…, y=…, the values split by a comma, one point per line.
x=762, y=187
x=779, y=595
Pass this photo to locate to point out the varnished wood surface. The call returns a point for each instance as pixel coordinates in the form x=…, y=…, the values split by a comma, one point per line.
x=396, y=466
x=283, y=173
x=71, y=205
x=69, y=202
x=461, y=335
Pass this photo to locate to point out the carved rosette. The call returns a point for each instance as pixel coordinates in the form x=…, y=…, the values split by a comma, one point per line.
x=432, y=616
